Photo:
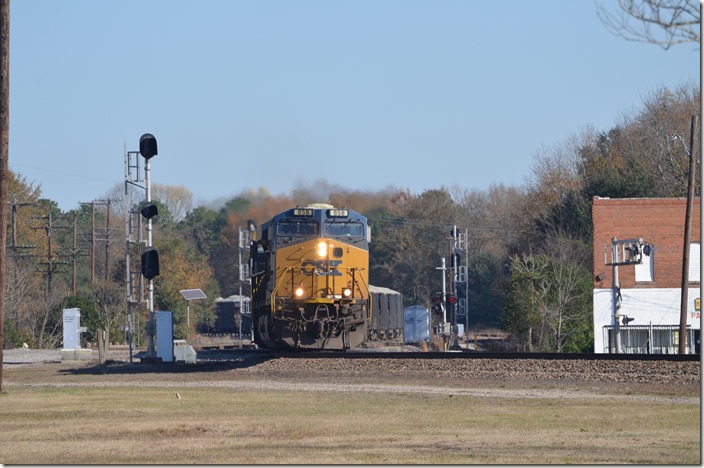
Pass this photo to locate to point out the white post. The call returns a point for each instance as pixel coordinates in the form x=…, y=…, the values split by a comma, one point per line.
x=188, y=321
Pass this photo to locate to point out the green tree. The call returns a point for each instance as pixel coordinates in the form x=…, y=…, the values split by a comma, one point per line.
x=202, y=228
x=548, y=304
x=523, y=298
x=485, y=290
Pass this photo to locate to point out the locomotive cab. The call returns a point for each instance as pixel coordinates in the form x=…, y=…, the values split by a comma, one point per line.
x=310, y=269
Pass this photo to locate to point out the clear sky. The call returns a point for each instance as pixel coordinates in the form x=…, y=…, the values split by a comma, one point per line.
x=364, y=94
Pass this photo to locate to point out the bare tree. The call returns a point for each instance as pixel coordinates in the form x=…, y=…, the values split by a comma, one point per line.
x=178, y=199
x=661, y=22
x=20, y=282
x=109, y=300
x=564, y=308
x=45, y=319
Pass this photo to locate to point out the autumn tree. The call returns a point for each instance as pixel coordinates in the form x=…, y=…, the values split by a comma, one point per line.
x=182, y=267
x=407, y=249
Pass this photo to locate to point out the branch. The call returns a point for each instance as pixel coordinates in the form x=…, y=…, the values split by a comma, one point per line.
x=673, y=21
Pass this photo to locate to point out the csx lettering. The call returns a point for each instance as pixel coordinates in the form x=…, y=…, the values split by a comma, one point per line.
x=321, y=267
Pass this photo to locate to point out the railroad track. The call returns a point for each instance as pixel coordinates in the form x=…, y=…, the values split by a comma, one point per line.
x=447, y=355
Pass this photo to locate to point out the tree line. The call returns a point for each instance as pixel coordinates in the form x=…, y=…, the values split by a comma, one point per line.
x=529, y=248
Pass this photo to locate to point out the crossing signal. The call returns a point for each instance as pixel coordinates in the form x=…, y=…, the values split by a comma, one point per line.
x=450, y=300
x=436, y=301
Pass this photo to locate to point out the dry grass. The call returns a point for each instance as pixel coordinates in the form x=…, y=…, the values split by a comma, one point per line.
x=130, y=424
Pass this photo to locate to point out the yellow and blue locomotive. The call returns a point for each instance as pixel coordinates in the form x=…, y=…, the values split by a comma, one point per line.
x=310, y=279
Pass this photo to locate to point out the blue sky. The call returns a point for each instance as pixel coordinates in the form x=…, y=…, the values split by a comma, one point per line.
x=361, y=94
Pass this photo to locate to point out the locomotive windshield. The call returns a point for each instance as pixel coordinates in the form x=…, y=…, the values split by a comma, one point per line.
x=296, y=228
x=354, y=230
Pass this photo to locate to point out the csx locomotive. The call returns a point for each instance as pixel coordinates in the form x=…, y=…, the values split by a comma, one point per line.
x=310, y=279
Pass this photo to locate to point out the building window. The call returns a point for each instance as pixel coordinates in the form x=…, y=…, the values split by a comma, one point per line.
x=644, y=270
x=695, y=260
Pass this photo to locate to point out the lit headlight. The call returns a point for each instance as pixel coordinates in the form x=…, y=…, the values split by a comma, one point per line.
x=323, y=249
x=298, y=292
x=347, y=292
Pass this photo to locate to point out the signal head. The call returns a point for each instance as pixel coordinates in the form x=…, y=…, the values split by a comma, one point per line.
x=147, y=146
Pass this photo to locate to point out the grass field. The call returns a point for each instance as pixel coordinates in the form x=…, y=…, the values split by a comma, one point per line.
x=204, y=425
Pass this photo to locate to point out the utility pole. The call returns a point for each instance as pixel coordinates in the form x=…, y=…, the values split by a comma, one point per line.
x=75, y=253
x=4, y=153
x=49, y=230
x=107, y=240
x=687, y=239
x=92, y=243
x=94, y=238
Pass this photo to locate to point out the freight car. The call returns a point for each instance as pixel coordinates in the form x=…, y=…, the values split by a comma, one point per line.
x=387, y=314
x=310, y=279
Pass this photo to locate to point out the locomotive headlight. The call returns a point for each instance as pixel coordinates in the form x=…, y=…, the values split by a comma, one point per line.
x=298, y=292
x=323, y=249
x=347, y=292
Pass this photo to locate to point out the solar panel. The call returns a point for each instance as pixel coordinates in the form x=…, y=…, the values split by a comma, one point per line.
x=192, y=294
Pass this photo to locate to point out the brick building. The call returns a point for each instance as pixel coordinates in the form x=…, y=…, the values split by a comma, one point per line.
x=650, y=292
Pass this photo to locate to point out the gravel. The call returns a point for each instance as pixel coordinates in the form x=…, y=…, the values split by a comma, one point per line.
x=652, y=372
x=595, y=371
x=22, y=356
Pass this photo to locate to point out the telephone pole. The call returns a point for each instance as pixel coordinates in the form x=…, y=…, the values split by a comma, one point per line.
x=687, y=239
x=50, y=256
x=93, y=238
x=4, y=145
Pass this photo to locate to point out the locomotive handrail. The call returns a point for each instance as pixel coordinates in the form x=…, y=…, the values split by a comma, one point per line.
x=272, y=299
x=369, y=294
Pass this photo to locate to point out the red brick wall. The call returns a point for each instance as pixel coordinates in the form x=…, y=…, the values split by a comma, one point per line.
x=658, y=221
